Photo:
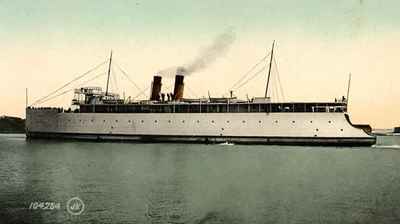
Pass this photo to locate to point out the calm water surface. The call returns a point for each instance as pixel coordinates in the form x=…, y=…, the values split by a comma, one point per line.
x=185, y=183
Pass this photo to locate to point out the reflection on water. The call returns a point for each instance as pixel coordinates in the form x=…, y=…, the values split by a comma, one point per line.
x=184, y=183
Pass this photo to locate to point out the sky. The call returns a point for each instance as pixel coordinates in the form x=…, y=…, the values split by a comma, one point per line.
x=45, y=44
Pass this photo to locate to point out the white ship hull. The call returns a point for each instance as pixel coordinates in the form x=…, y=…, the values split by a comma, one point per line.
x=257, y=128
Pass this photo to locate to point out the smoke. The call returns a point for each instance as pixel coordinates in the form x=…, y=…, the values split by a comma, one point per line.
x=210, y=54
x=206, y=56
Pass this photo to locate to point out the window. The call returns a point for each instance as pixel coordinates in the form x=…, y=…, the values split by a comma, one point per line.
x=142, y=121
x=276, y=108
x=299, y=107
x=244, y=107
x=317, y=129
x=155, y=121
x=212, y=108
x=255, y=107
x=223, y=108
x=233, y=108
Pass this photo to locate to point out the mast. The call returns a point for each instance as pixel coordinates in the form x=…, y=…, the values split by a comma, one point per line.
x=348, y=91
x=269, y=70
x=108, y=74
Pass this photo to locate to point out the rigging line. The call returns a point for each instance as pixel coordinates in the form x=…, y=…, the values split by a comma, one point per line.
x=65, y=85
x=279, y=80
x=114, y=80
x=75, y=86
x=192, y=92
x=142, y=93
x=275, y=90
x=127, y=76
x=252, y=77
x=62, y=93
x=249, y=71
x=97, y=76
x=278, y=89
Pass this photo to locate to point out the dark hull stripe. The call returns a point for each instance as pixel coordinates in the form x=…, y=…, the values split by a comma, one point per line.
x=324, y=141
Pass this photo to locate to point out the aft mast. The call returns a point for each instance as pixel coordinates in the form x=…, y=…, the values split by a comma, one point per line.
x=108, y=74
x=270, y=65
x=348, y=91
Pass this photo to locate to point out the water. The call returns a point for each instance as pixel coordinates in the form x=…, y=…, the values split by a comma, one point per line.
x=185, y=183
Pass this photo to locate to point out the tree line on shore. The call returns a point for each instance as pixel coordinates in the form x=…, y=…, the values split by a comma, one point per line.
x=12, y=124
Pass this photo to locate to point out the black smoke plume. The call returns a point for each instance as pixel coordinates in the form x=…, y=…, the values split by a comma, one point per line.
x=206, y=56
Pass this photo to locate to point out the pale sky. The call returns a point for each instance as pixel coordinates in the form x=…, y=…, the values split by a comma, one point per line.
x=45, y=44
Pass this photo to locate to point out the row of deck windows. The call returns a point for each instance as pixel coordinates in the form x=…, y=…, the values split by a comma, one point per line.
x=214, y=108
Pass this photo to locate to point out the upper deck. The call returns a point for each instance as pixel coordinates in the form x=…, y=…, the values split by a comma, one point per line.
x=199, y=107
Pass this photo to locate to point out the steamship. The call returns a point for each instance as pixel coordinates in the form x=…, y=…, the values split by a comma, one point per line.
x=169, y=117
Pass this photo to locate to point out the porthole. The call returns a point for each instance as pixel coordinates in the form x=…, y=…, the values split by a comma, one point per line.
x=310, y=121
x=212, y=121
x=276, y=121
x=222, y=129
x=142, y=121
x=183, y=121
x=227, y=121
x=198, y=121
x=92, y=120
x=129, y=121
x=155, y=121
x=112, y=127
x=169, y=121
x=315, y=135
x=293, y=121
x=341, y=129
x=243, y=121
x=104, y=120
x=80, y=120
x=317, y=129
x=329, y=122
x=259, y=122
x=116, y=121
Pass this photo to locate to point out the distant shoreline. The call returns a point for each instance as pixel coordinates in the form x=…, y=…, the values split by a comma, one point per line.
x=12, y=125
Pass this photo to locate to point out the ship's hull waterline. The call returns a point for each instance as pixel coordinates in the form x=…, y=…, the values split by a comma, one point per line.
x=244, y=128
